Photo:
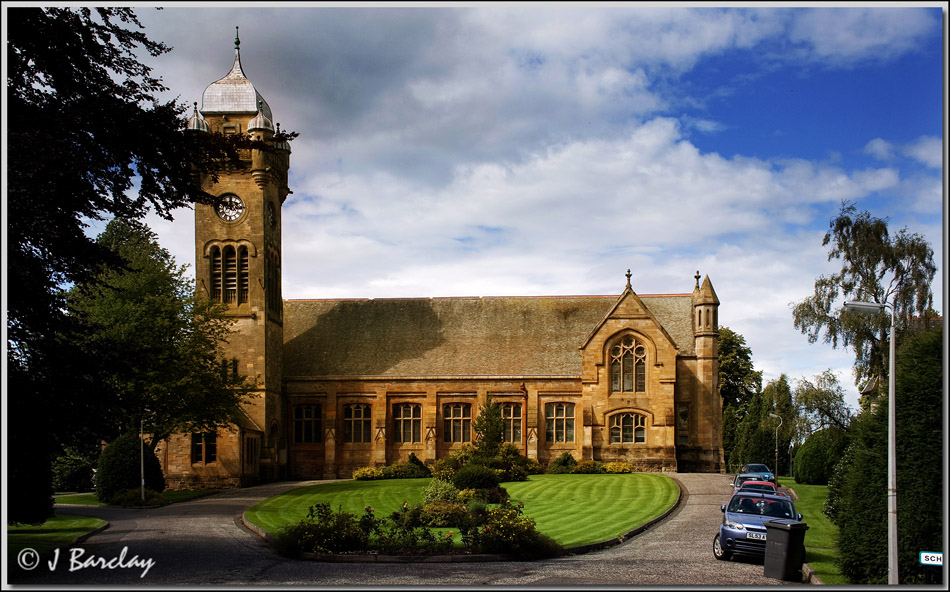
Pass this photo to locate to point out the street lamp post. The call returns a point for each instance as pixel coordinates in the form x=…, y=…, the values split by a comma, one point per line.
x=872, y=308
x=780, y=421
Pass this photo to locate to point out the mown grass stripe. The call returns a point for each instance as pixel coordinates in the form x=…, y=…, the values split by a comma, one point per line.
x=572, y=509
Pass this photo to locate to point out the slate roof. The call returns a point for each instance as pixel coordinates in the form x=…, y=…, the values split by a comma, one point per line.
x=446, y=337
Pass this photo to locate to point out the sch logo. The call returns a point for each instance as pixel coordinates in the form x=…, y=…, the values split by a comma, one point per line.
x=931, y=558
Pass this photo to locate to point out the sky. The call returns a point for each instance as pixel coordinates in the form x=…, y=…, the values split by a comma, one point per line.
x=533, y=149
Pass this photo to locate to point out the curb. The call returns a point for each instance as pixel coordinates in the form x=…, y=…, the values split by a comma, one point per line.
x=809, y=576
x=82, y=538
x=372, y=558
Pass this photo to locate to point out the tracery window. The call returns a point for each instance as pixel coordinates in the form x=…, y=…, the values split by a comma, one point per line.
x=559, y=420
x=407, y=419
x=457, y=422
x=628, y=366
x=628, y=428
x=308, y=424
x=357, y=424
x=511, y=415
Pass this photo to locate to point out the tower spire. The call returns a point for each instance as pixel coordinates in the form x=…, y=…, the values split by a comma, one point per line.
x=236, y=70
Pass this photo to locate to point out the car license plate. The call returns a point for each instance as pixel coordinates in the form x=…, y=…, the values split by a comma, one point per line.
x=759, y=536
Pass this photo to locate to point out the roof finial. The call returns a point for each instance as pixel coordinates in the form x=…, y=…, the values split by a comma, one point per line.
x=237, y=39
x=628, y=280
x=697, y=278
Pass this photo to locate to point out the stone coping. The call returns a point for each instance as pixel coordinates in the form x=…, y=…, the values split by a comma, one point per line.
x=462, y=558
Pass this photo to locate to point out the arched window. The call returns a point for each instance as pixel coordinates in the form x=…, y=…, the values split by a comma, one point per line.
x=457, y=422
x=230, y=275
x=628, y=366
x=511, y=415
x=243, y=283
x=357, y=423
x=627, y=428
x=559, y=421
x=407, y=420
x=216, y=277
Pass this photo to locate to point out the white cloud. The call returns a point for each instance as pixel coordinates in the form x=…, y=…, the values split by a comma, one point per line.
x=847, y=35
x=511, y=150
x=879, y=149
x=928, y=150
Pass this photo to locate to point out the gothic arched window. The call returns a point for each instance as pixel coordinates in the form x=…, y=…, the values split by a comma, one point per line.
x=627, y=428
x=457, y=422
x=357, y=425
x=628, y=366
x=407, y=420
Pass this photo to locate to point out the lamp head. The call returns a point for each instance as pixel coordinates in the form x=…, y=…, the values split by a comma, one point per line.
x=868, y=308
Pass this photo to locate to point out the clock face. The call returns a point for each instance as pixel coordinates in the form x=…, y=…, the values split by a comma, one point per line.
x=230, y=208
x=271, y=215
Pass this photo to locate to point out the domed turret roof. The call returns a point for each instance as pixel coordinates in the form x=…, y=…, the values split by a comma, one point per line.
x=234, y=93
x=260, y=122
x=197, y=122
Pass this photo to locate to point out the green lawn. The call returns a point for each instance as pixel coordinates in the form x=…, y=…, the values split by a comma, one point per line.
x=572, y=509
x=61, y=529
x=90, y=499
x=821, y=538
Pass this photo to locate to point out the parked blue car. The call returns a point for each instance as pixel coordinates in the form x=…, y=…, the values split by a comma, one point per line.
x=762, y=471
x=743, y=522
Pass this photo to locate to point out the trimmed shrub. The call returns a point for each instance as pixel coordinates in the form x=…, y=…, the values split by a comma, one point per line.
x=132, y=498
x=439, y=490
x=505, y=530
x=73, y=472
x=475, y=477
x=562, y=464
x=410, y=470
x=442, y=513
x=120, y=468
x=816, y=457
x=588, y=467
x=415, y=468
x=368, y=473
x=323, y=531
x=445, y=468
x=619, y=467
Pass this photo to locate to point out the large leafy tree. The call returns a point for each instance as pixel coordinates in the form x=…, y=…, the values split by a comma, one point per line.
x=84, y=126
x=738, y=384
x=876, y=266
x=755, y=435
x=856, y=494
x=821, y=403
x=158, y=343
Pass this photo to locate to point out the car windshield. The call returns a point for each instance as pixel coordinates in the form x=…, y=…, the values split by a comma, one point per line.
x=757, y=469
x=760, y=506
x=758, y=486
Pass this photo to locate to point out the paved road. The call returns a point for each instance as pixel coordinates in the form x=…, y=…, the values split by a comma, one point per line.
x=202, y=542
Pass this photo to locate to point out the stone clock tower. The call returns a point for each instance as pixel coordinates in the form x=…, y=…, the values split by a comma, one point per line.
x=238, y=262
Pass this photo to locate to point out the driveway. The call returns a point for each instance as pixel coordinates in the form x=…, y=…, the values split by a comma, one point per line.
x=202, y=542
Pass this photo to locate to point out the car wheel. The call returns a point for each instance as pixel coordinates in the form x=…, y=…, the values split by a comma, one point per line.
x=720, y=553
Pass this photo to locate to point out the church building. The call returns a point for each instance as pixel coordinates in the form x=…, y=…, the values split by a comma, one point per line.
x=347, y=383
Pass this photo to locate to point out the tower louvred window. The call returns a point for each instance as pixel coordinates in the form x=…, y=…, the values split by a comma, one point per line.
x=243, y=283
x=216, y=277
x=230, y=275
